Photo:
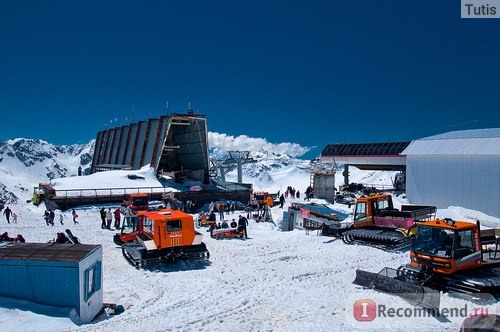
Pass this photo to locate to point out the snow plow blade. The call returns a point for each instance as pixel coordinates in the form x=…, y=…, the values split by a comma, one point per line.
x=396, y=282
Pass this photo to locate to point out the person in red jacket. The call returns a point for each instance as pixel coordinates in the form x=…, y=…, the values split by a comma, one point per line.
x=117, y=218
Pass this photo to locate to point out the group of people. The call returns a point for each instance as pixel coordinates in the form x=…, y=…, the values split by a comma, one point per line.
x=240, y=226
x=229, y=207
x=292, y=192
x=49, y=217
x=6, y=238
x=107, y=217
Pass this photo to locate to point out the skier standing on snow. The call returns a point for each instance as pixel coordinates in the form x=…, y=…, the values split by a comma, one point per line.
x=282, y=201
x=109, y=219
x=7, y=213
x=221, y=211
x=46, y=216
x=103, y=218
x=73, y=213
x=52, y=216
x=117, y=218
x=242, y=225
x=126, y=219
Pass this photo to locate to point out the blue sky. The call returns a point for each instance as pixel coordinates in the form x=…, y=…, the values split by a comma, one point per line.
x=307, y=72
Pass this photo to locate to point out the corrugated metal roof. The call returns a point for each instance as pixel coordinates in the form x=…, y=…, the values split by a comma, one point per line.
x=365, y=149
x=477, y=141
x=472, y=133
x=46, y=251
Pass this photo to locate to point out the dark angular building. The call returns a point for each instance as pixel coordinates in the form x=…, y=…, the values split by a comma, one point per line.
x=174, y=145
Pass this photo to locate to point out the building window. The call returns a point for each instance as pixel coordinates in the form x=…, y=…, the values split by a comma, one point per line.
x=92, y=280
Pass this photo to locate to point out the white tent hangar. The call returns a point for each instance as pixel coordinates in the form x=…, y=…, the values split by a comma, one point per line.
x=460, y=168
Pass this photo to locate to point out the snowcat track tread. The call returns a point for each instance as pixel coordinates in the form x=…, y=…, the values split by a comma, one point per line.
x=400, y=285
x=139, y=257
x=482, y=280
x=382, y=239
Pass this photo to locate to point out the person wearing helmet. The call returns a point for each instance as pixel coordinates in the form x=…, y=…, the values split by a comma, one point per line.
x=5, y=237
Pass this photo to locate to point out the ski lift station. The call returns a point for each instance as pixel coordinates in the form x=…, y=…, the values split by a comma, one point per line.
x=459, y=168
x=176, y=145
x=59, y=276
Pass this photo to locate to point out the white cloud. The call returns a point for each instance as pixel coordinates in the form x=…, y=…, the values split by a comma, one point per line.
x=220, y=144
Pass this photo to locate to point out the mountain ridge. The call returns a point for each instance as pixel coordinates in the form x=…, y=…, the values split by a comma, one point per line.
x=24, y=163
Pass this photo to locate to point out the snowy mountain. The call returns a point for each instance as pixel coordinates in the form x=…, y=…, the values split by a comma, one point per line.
x=26, y=162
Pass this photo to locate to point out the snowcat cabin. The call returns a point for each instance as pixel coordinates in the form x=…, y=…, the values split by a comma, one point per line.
x=446, y=246
x=168, y=228
x=260, y=198
x=130, y=228
x=369, y=206
x=139, y=201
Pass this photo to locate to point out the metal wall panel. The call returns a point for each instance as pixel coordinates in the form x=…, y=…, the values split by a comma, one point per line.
x=149, y=141
x=324, y=187
x=159, y=141
x=470, y=181
x=97, y=149
x=125, y=147
x=114, y=148
x=127, y=158
x=138, y=145
x=46, y=282
x=109, y=146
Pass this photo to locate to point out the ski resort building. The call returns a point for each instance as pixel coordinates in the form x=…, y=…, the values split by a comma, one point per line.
x=381, y=156
x=174, y=145
x=460, y=168
x=56, y=275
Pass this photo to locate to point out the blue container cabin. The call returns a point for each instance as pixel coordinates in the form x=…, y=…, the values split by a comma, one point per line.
x=54, y=274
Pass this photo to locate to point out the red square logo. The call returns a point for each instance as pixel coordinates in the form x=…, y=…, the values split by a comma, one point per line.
x=365, y=310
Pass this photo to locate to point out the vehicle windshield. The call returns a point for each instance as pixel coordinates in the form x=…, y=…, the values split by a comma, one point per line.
x=140, y=201
x=360, y=212
x=434, y=241
x=259, y=197
x=130, y=224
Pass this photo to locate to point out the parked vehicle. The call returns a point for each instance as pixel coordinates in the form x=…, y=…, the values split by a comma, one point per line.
x=376, y=221
x=446, y=255
x=138, y=201
x=162, y=236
